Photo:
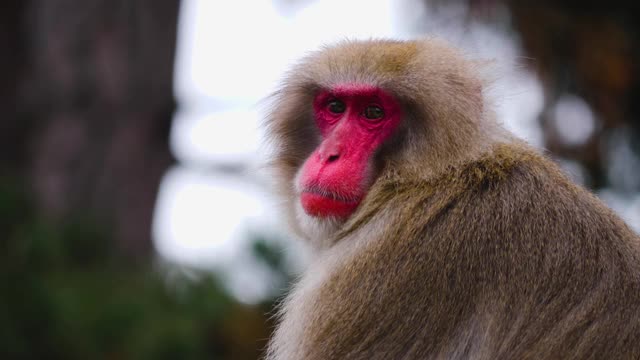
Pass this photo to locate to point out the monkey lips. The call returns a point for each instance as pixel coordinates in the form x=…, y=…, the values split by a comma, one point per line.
x=327, y=204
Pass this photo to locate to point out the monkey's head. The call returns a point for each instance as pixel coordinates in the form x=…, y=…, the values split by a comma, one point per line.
x=352, y=113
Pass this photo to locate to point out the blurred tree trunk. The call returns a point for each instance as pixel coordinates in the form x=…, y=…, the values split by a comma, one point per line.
x=87, y=102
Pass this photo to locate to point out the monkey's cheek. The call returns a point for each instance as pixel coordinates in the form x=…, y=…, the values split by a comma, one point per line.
x=321, y=206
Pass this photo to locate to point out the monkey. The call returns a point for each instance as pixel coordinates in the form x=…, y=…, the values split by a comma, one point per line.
x=436, y=233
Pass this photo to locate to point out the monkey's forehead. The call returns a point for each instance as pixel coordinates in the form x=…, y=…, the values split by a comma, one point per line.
x=383, y=57
x=402, y=67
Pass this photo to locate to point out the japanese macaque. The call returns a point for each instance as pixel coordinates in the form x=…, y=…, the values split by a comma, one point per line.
x=437, y=234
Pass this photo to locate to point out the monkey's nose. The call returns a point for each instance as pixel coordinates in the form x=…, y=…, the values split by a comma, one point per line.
x=329, y=151
x=332, y=158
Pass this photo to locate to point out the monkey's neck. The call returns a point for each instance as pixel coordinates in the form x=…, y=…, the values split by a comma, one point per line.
x=434, y=158
x=400, y=187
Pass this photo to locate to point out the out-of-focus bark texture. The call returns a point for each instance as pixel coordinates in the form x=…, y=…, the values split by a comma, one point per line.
x=12, y=49
x=87, y=102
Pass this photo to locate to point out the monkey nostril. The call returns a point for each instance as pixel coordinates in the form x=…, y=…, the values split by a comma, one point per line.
x=332, y=158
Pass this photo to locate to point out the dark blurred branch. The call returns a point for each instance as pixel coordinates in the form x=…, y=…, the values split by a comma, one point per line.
x=588, y=49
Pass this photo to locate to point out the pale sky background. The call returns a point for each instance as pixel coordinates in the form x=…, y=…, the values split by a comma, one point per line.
x=231, y=55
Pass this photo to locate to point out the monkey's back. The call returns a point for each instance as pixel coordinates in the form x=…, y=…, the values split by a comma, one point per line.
x=499, y=258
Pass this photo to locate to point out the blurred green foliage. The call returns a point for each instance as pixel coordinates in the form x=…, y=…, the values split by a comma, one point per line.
x=64, y=294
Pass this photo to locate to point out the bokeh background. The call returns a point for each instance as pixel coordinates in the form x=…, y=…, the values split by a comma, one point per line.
x=136, y=220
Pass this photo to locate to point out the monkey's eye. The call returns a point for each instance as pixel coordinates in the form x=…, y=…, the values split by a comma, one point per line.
x=373, y=112
x=336, y=106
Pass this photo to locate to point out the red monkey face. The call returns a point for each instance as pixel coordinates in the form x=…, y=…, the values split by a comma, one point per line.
x=354, y=120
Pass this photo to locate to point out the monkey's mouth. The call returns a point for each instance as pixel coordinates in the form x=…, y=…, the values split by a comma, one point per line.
x=322, y=203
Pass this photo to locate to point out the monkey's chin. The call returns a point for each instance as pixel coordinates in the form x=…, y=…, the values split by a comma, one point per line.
x=324, y=207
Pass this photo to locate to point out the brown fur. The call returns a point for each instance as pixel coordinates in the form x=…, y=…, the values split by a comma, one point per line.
x=466, y=247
